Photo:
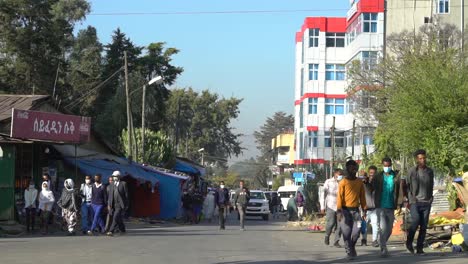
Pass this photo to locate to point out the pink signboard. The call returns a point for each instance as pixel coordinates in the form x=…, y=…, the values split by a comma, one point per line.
x=47, y=126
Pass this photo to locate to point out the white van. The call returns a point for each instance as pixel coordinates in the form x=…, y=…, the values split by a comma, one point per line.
x=285, y=191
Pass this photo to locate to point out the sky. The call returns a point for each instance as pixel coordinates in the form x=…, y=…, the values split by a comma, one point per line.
x=247, y=55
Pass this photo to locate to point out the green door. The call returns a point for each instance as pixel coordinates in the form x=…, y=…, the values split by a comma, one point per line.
x=7, y=177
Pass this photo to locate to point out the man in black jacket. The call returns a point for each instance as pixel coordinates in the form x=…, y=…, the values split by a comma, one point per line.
x=222, y=201
x=118, y=203
x=420, y=187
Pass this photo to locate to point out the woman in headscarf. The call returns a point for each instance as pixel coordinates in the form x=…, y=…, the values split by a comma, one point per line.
x=292, y=208
x=68, y=202
x=46, y=202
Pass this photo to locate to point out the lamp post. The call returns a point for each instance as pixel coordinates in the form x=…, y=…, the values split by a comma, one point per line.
x=202, y=151
x=155, y=80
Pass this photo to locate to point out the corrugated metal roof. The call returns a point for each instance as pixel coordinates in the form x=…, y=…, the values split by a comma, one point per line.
x=23, y=102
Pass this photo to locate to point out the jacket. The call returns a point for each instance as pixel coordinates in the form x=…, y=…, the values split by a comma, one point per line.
x=69, y=200
x=242, y=198
x=414, y=184
x=224, y=192
x=118, y=196
x=377, y=186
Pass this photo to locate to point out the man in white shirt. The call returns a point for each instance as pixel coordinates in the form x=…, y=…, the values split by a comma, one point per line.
x=86, y=192
x=328, y=206
x=30, y=198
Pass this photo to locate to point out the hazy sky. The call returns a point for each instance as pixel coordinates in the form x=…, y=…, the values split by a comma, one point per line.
x=248, y=55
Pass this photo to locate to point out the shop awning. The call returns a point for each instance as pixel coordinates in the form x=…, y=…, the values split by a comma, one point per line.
x=189, y=167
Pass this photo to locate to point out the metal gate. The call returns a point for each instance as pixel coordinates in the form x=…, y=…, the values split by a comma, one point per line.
x=7, y=177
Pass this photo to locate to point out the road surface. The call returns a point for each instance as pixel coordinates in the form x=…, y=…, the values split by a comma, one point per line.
x=261, y=243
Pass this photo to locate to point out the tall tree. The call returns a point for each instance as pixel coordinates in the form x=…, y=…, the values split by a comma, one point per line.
x=203, y=120
x=85, y=62
x=35, y=37
x=279, y=123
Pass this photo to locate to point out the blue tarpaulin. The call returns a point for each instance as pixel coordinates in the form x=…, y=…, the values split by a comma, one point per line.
x=169, y=184
x=188, y=167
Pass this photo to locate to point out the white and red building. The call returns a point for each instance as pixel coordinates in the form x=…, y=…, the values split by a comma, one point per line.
x=324, y=48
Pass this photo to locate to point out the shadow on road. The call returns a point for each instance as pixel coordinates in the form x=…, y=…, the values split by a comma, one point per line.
x=397, y=257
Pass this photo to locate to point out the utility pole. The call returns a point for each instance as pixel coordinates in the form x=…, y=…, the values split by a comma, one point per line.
x=129, y=132
x=462, y=22
x=332, y=137
x=353, y=138
x=143, y=110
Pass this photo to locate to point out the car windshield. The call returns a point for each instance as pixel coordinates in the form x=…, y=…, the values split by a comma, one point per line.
x=286, y=194
x=257, y=195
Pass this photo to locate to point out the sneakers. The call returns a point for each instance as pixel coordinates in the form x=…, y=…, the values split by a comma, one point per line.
x=337, y=244
x=327, y=240
x=90, y=233
x=420, y=252
x=109, y=234
x=409, y=247
x=242, y=229
x=375, y=243
x=363, y=243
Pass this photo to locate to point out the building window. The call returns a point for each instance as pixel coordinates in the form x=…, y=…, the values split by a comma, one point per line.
x=335, y=40
x=334, y=106
x=443, y=7
x=370, y=22
x=313, y=103
x=302, y=81
x=301, y=115
x=339, y=139
x=301, y=145
x=313, y=37
x=367, y=140
x=369, y=59
x=334, y=72
x=313, y=139
x=313, y=72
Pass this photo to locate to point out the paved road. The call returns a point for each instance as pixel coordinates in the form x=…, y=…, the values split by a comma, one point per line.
x=262, y=242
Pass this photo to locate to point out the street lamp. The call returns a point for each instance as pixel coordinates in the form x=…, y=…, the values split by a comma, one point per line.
x=202, y=151
x=156, y=80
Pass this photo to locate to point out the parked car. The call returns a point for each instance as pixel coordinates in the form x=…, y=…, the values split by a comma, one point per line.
x=285, y=191
x=258, y=205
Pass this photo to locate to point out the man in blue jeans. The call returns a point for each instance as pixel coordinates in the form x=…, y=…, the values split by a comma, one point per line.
x=86, y=192
x=420, y=187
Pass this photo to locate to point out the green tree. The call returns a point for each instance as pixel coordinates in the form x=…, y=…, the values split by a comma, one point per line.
x=85, y=71
x=203, y=120
x=158, y=149
x=35, y=37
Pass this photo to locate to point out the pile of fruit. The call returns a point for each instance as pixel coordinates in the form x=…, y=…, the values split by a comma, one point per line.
x=440, y=220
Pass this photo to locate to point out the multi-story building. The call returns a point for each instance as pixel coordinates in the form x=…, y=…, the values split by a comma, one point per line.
x=324, y=47
x=282, y=147
x=410, y=15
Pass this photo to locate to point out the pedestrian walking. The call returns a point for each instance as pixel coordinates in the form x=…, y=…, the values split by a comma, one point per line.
x=241, y=199
x=419, y=193
x=300, y=201
x=209, y=206
x=106, y=209
x=351, y=198
x=187, y=204
x=86, y=191
x=197, y=201
x=222, y=201
x=275, y=205
x=69, y=202
x=372, y=219
x=51, y=187
x=292, y=208
x=30, y=199
x=328, y=207
x=118, y=202
x=98, y=202
x=387, y=189
x=46, y=202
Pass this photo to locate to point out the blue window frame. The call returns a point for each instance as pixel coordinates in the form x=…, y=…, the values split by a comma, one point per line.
x=313, y=72
x=334, y=106
x=313, y=139
x=335, y=72
x=443, y=6
x=369, y=23
x=313, y=105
